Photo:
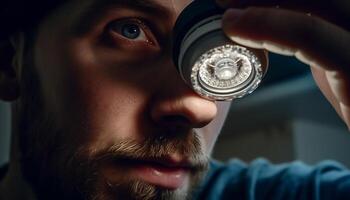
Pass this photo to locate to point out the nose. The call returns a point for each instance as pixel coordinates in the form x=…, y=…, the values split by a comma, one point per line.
x=185, y=111
x=176, y=104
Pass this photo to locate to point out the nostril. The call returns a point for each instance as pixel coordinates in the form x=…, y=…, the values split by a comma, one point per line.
x=175, y=125
x=175, y=121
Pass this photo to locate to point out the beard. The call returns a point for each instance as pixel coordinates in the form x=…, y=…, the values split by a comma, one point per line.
x=59, y=166
x=125, y=152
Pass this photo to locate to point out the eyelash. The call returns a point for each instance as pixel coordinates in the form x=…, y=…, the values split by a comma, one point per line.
x=143, y=25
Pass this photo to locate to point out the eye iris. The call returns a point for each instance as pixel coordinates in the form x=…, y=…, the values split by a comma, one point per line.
x=131, y=31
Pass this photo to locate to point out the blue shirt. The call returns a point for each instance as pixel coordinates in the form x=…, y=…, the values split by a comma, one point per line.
x=263, y=181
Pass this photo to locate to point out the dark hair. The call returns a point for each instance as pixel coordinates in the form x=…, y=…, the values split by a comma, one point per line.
x=21, y=15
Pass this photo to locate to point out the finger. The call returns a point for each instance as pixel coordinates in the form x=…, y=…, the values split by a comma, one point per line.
x=322, y=82
x=335, y=11
x=274, y=3
x=311, y=39
x=340, y=86
x=325, y=6
x=328, y=88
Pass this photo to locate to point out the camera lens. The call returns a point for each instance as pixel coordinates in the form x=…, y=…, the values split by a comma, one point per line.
x=208, y=60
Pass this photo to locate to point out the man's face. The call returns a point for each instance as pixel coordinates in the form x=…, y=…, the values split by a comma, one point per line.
x=106, y=114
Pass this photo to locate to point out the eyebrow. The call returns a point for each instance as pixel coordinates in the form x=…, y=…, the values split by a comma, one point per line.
x=149, y=6
x=95, y=10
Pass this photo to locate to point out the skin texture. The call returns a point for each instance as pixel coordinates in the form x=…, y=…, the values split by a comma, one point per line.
x=85, y=97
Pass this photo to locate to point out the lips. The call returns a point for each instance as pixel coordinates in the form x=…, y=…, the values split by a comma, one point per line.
x=165, y=176
x=167, y=172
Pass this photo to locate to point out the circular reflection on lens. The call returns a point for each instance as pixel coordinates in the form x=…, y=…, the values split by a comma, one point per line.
x=226, y=72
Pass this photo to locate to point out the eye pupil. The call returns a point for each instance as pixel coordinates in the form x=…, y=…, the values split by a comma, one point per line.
x=131, y=31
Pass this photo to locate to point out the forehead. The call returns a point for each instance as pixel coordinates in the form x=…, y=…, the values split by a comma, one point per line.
x=170, y=7
x=175, y=5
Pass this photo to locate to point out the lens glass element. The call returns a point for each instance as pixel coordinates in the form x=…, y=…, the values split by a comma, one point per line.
x=226, y=72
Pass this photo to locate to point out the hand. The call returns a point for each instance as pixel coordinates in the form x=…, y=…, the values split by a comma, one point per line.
x=314, y=31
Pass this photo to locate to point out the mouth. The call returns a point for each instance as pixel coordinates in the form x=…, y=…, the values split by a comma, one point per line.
x=166, y=172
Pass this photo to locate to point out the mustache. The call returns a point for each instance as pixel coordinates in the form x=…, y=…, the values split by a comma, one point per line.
x=156, y=148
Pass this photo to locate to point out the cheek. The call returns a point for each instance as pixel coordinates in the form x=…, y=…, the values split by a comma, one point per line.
x=111, y=111
x=98, y=99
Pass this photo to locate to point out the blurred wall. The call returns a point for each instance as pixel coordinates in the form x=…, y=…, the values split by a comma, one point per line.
x=283, y=122
x=315, y=142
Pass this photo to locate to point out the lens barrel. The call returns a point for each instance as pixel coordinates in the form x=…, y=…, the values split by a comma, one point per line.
x=208, y=61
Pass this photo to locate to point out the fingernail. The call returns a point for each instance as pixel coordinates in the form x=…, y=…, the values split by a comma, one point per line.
x=231, y=16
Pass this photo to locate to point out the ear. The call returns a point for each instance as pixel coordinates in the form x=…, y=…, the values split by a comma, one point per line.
x=9, y=87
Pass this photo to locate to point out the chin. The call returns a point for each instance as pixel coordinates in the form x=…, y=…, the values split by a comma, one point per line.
x=141, y=190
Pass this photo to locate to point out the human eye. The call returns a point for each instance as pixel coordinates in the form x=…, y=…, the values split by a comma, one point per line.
x=132, y=30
